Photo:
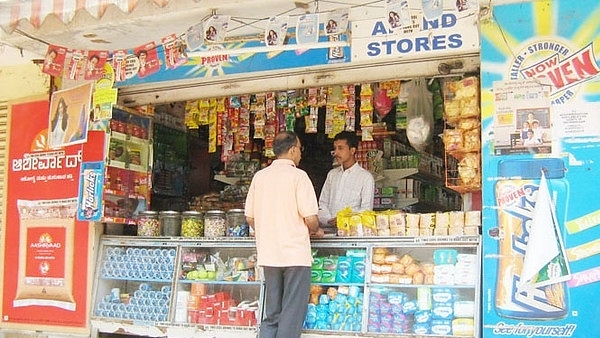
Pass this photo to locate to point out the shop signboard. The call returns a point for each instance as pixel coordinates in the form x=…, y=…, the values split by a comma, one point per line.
x=46, y=250
x=541, y=167
x=453, y=32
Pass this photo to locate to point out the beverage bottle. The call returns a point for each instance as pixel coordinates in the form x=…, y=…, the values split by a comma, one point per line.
x=521, y=294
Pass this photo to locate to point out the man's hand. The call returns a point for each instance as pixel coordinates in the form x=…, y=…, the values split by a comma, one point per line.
x=320, y=233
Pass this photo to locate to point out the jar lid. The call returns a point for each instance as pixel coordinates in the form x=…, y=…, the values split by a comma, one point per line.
x=191, y=213
x=235, y=211
x=148, y=213
x=215, y=212
x=169, y=213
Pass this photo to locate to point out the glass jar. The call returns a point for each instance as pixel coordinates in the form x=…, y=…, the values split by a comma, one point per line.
x=148, y=224
x=236, y=223
x=214, y=224
x=170, y=222
x=192, y=224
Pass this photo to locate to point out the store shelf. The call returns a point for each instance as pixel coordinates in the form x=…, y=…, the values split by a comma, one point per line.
x=415, y=194
x=227, y=179
x=398, y=174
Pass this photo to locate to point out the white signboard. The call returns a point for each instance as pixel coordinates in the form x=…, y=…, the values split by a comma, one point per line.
x=452, y=33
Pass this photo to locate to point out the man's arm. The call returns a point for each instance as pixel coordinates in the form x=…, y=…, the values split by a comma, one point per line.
x=367, y=194
x=312, y=223
x=324, y=212
x=250, y=221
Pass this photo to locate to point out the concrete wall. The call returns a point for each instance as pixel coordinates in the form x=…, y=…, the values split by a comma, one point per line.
x=19, y=76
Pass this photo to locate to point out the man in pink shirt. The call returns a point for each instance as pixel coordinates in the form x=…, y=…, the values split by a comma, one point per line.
x=281, y=207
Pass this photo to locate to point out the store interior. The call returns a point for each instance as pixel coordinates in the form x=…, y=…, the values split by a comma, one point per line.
x=185, y=172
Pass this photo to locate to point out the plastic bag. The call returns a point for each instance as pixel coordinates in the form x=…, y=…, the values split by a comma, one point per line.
x=383, y=103
x=419, y=115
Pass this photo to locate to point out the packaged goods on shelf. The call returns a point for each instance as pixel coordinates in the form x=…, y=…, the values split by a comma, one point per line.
x=462, y=135
x=335, y=308
x=421, y=292
x=399, y=223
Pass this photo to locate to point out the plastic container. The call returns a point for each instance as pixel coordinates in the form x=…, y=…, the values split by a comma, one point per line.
x=192, y=224
x=236, y=223
x=148, y=224
x=170, y=222
x=215, y=224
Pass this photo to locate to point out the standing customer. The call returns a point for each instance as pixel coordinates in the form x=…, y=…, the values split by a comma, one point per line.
x=348, y=185
x=281, y=207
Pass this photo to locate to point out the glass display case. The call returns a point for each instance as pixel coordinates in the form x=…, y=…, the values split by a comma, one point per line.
x=394, y=286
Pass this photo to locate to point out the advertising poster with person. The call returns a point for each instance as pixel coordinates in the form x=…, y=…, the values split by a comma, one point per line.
x=147, y=61
x=540, y=146
x=216, y=28
x=45, y=250
x=276, y=30
x=94, y=67
x=54, y=61
x=69, y=116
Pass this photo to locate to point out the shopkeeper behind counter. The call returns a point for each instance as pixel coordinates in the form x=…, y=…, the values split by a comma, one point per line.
x=348, y=184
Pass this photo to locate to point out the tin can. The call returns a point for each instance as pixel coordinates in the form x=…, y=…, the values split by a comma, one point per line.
x=532, y=270
x=148, y=224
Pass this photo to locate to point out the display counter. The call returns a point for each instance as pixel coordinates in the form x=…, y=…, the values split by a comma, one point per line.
x=395, y=286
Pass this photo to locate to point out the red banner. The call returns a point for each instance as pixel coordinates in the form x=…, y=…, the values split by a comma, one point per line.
x=46, y=259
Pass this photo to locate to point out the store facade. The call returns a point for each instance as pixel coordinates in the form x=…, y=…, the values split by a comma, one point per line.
x=447, y=47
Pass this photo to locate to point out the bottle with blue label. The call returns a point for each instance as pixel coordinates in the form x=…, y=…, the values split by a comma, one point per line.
x=531, y=199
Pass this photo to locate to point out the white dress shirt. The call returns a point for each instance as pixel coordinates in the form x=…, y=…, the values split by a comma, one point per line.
x=353, y=187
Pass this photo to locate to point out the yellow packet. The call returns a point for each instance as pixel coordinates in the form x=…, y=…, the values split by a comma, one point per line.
x=369, y=223
x=343, y=222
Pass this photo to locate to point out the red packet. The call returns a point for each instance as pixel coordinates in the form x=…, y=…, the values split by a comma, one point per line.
x=54, y=61
x=94, y=67
x=148, y=62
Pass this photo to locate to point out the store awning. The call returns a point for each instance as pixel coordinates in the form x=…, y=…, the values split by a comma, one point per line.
x=32, y=25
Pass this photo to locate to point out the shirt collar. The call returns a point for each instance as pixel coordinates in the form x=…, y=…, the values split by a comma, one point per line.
x=283, y=161
x=352, y=167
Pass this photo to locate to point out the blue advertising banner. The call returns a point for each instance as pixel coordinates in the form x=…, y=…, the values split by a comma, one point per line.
x=541, y=166
x=148, y=64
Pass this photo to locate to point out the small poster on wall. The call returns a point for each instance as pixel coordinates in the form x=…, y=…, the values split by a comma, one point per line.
x=174, y=56
x=78, y=58
x=398, y=14
x=69, y=116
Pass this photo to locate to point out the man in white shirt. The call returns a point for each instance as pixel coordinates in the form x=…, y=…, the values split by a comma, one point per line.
x=348, y=185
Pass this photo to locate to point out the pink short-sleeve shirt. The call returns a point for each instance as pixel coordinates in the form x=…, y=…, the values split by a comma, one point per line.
x=279, y=198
